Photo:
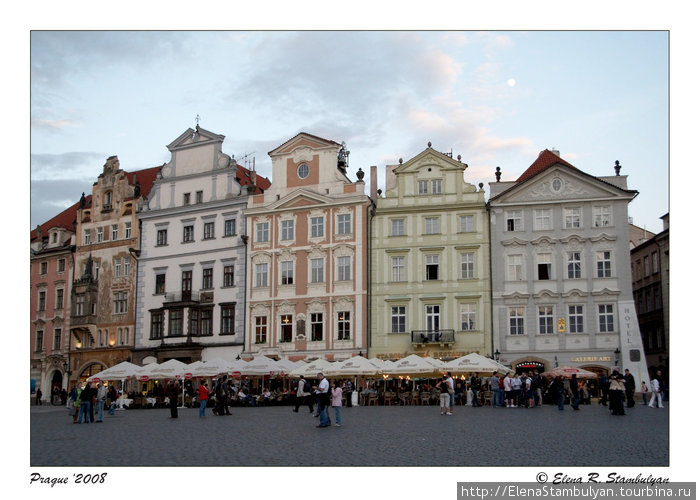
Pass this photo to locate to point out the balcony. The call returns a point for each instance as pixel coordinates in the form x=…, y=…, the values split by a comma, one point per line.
x=432, y=336
x=188, y=297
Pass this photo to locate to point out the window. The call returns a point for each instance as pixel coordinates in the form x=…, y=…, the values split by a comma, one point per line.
x=162, y=237
x=206, y=321
x=230, y=227
x=601, y=216
x=262, y=232
x=432, y=317
x=115, y=231
x=79, y=305
x=287, y=230
x=317, y=227
x=127, y=266
x=260, y=329
x=344, y=269
x=316, y=327
x=39, y=346
x=398, y=227
x=287, y=272
x=186, y=281
x=42, y=301
x=303, y=171
x=200, y=196
x=515, y=267
x=44, y=268
x=576, y=319
x=117, y=267
x=606, y=318
x=209, y=230
x=647, y=268
x=422, y=187
x=437, y=186
x=468, y=317
x=61, y=265
x=466, y=223
x=86, y=237
x=344, y=325
x=654, y=263
x=514, y=220
x=59, y=298
x=432, y=225
x=100, y=235
x=543, y=219
x=120, y=302
x=186, y=199
x=160, y=283
x=516, y=321
x=286, y=327
x=207, y=278
x=572, y=217
x=228, y=316
x=57, y=339
x=432, y=267
x=467, y=266
x=545, y=316
x=317, y=271
x=398, y=269
x=188, y=233
x=108, y=200
x=127, y=230
x=398, y=319
x=544, y=266
x=228, y=275
x=573, y=265
x=175, y=323
x=344, y=224
x=603, y=260
x=261, y=274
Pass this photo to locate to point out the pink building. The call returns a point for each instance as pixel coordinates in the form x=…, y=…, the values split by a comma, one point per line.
x=307, y=256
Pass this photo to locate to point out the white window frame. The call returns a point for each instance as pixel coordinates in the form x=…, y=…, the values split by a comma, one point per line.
x=398, y=268
x=398, y=319
x=604, y=264
x=230, y=227
x=343, y=325
x=317, y=227
x=262, y=232
x=117, y=267
x=602, y=216
x=344, y=267
x=209, y=232
x=542, y=219
x=115, y=231
x=398, y=227
x=318, y=270
x=516, y=320
x=468, y=317
x=574, y=268
x=261, y=329
x=432, y=260
x=606, y=318
x=432, y=317
x=286, y=272
x=572, y=217
x=261, y=275
x=545, y=319
x=431, y=225
x=86, y=237
x=576, y=318
x=544, y=267
x=466, y=224
x=514, y=220
x=121, y=299
x=467, y=265
x=188, y=233
x=127, y=230
x=423, y=187
x=316, y=320
x=287, y=230
x=514, y=268
x=344, y=224
x=100, y=235
x=436, y=186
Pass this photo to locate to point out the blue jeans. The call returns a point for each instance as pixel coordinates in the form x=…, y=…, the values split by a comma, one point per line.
x=644, y=397
x=495, y=397
x=323, y=414
x=575, y=401
x=84, y=410
x=202, y=407
x=562, y=397
x=100, y=410
x=475, y=397
x=337, y=415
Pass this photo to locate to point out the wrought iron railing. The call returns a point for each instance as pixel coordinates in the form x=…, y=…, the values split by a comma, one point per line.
x=432, y=336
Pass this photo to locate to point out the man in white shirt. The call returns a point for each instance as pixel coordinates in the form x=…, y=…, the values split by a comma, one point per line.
x=508, y=388
x=516, y=383
x=450, y=391
x=322, y=390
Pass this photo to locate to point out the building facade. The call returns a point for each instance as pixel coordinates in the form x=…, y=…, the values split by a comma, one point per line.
x=650, y=272
x=562, y=289
x=51, y=279
x=104, y=286
x=307, y=256
x=191, y=264
x=430, y=264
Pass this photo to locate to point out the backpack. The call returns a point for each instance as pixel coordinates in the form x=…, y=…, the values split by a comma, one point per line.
x=307, y=386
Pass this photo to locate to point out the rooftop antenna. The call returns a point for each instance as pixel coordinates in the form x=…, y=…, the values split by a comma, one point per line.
x=246, y=159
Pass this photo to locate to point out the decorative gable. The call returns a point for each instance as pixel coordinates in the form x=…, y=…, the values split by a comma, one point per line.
x=303, y=143
x=427, y=159
x=195, y=137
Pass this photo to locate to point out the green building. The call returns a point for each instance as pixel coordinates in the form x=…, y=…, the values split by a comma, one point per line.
x=430, y=272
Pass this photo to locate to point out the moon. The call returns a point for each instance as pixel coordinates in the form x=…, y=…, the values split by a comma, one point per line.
x=511, y=82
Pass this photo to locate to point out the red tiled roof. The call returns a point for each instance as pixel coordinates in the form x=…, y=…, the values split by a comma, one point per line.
x=545, y=160
x=244, y=179
x=64, y=220
x=144, y=177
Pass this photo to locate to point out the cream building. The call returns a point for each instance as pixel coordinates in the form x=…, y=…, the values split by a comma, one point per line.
x=307, y=256
x=430, y=290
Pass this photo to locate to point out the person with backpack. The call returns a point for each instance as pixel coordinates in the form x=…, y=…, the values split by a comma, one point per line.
x=303, y=393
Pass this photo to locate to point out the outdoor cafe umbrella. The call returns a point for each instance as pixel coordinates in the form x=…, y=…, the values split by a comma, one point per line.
x=474, y=362
x=120, y=371
x=355, y=366
x=568, y=371
x=261, y=366
x=213, y=367
x=311, y=369
x=413, y=365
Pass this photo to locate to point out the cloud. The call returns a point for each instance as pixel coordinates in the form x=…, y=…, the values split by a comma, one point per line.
x=74, y=165
x=51, y=197
x=53, y=124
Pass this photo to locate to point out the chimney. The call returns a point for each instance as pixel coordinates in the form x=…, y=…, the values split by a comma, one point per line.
x=556, y=152
x=373, y=183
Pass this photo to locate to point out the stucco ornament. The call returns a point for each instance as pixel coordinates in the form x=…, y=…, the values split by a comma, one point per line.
x=302, y=154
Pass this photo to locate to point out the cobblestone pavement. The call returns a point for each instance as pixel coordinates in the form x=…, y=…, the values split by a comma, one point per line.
x=369, y=436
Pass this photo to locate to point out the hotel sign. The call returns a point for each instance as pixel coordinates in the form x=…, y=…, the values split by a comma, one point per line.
x=589, y=359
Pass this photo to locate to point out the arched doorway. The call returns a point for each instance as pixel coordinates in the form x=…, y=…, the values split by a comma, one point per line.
x=89, y=371
x=56, y=385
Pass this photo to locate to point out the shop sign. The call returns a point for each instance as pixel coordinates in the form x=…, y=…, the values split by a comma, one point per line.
x=590, y=359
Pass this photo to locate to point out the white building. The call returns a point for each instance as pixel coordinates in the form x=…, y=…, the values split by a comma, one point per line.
x=191, y=272
x=562, y=287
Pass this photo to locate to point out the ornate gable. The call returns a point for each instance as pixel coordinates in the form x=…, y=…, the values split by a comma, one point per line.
x=303, y=141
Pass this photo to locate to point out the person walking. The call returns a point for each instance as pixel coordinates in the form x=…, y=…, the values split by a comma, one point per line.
x=203, y=399
x=474, y=386
x=173, y=391
x=508, y=389
x=322, y=391
x=450, y=391
x=644, y=389
x=75, y=402
x=560, y=392
x=38, y=396
x=604, y=386
x=575, y=392
x=444, y=396
x=85, y=398
x=495, y=390
x=616, y=393
x=100, y=398
x=337, y=401
x=303, y=395
x=630, y=386
x=656, y=392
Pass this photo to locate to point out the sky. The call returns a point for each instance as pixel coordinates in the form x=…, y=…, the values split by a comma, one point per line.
x=497, y=98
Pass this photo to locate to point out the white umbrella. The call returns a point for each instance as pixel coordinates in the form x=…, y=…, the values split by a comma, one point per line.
x=474, y=362
x=287, y=366
x=357, y=365
x=117, y=372
x=169, y=369
x=412, y=365
x=213, y=367
x=260, y=366
x=311, y=369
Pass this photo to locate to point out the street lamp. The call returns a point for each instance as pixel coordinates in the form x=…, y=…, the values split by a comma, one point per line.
x=617, y=356
x=497, y=355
